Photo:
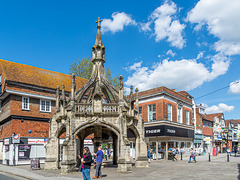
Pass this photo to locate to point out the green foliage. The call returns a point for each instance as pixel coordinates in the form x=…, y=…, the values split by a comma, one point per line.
x=83, y=68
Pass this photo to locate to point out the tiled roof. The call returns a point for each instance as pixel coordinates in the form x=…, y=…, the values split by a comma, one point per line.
x=205, y=116
x=212, y=116
x=36, y=76
x=232, y=121
x=164, y=89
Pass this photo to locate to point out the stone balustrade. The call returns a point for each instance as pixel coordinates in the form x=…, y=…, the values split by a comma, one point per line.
x=83, y=108
x=110, y=108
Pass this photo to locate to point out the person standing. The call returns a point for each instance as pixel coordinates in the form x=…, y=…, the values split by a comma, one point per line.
x=192, y=155
x=235, y=150
x=173, y=154
x=149, y=155
x=86, y=163
x=105, y=154
x=99, y=159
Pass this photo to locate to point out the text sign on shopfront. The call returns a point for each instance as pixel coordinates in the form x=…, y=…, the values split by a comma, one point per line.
x=165, y=130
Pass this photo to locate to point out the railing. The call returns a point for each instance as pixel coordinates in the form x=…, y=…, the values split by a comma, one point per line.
x=110, y=108
x=83, y=107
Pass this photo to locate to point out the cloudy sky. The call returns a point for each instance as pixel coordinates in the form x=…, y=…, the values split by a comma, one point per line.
x=191, y=45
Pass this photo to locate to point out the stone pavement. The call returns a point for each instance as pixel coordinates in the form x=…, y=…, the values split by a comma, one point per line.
x=218, y=168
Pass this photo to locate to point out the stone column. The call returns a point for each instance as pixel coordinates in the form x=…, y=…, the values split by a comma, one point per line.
x=156, y=150
x=68, y=163
x=52, y=154
x=115, y=149
x=166, y=151
x=142, y=160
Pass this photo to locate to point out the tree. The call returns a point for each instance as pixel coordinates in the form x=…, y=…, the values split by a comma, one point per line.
x=83, y=68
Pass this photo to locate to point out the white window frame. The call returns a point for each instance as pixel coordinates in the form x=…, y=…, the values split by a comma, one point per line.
x=43, y=105
x=179, y=115
x=187, y=117
x=169, y=112
x=23, y=103
x=151, y=113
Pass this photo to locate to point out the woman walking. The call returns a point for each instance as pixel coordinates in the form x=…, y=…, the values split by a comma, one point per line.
x=86, y=163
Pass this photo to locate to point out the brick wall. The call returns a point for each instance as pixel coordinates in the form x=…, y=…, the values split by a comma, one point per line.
x=34, y=108
x=162, y=110
x=207, y=131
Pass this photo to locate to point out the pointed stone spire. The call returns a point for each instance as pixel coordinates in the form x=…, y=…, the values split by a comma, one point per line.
x=136, y=98
x=98, y=49
x=63, y=98
x=73, y=88
x=57, y=98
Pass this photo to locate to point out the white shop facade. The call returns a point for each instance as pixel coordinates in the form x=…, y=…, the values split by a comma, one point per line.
x=162, y=136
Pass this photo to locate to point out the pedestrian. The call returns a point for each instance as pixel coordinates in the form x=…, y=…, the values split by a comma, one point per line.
x=86, y=163
x=192, y=155
x=229, y=151
x=177, y=154
x=149, y=155
x=173, y=154
x=235, y=150
x=99, y=159
x=105, y=154
x=79, y=169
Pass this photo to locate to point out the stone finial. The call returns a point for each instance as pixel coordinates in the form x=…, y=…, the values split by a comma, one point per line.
x=131, y=90
x=121, y=82
x=73, y=87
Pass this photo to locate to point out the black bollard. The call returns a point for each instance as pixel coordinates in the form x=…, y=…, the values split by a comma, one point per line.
x=209, y=158
x=181, y=155
x=227, y=157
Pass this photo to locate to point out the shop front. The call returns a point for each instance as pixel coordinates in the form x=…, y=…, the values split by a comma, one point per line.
x=22, y=152
x=162, y=137
x=198, y=143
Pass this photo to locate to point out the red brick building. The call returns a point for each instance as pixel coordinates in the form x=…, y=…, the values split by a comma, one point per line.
x=27, y=102
x=168, y=117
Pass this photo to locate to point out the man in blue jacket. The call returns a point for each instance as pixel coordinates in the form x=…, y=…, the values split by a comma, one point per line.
x=99, y=159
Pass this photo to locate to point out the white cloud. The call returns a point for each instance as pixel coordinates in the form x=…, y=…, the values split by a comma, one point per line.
x=120, y=20
x=200, y=55
x=171, y=53
x=234, y=87
x=222, y=20
x=166, y=26
x=219, y=109
x=145, y=26
x=180, y=74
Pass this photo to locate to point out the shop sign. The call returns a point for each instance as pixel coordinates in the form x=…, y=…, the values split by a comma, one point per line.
x=6, y=148
x=35, y=141
x=24, y=152
x=88, y=141
x=6, y=141
x=165, y=130
x=219, y=137
x=207, y=139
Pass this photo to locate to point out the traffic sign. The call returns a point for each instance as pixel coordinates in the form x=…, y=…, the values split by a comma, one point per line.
x=16, y=138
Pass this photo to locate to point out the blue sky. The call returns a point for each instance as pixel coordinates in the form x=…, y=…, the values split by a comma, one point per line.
x=191, y=45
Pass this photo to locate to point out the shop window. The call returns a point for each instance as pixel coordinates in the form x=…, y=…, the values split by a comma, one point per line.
x=45, y=106
x=140, y=110
x=25, y=103
x=187, y=117
x=152, y=112
x=169, y=112
x=179, y=113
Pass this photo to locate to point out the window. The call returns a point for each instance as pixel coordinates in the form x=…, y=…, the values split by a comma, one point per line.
x=140, y=110
x=25, y=103
x=207, y=124
x=169, y=112
x=45, y=106
x=187, y=117
x=152, y=112
x=179, y=113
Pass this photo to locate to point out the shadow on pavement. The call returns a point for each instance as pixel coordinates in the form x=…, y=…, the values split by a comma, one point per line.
x=238, y=171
